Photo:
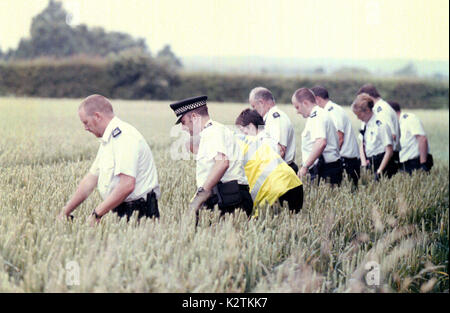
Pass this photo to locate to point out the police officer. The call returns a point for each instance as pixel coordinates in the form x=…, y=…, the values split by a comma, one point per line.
x=220, y=172
x=376, y=138
x=415, y=152
x=277, y=123
x=270, y=178
x=385, y=113
x=123, y=171
x=320, y=144
x=348, y=144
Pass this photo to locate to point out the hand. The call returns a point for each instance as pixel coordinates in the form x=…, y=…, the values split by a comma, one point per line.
x=64, y=216
x=92, y=221
x=303, y=171
x=423, y=166
x=200, y=197
x=377, y=175
x=366, y=163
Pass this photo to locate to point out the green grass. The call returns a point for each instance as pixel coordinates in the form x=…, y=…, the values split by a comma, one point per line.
x=401, y=223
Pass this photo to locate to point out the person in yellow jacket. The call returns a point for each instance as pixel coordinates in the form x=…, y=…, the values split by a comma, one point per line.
x=270, y=177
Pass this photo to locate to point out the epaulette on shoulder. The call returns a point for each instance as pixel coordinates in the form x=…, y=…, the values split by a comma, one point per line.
x=116, y=132
x=313, y=114
x=330, y=109
x=276, y=114
x=207, y=125
x=378, y=122
x=379, y=109
x=405, y=115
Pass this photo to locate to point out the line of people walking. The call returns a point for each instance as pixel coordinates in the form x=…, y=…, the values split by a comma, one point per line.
x=255, y=164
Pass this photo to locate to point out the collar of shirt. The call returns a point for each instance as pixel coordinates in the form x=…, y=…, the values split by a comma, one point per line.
x=372, y=120
x=380, y=102
x=109, y=129
x=209, y=123
x=262, y=135
x=272, y=109
x=314, y=111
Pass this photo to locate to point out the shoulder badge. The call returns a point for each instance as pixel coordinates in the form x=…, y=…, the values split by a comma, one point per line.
x=378, y=122
x=116, y=132
x=313, y=114
x=276, y=114
x=405, y=115
x=379, y=109
x=330, y=109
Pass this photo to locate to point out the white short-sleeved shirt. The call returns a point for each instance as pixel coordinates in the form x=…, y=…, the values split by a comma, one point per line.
x=377, y=135
x=216, y=138
x=319, y=125
x=265, y=138
x=262, y=138
x=123, y=150
x=342, y=123
x=387, y=114
x=279, y=127
x=410, y=126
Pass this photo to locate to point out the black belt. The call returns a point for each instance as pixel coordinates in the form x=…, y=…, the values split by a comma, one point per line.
x=412, y=161
x=350, y=159
x=377, y=156
x=319, y=166
x=336, y=163
x=244, y=187
x=135, y=203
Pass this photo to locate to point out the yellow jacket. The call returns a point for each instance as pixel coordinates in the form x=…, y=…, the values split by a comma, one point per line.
x=269, y=177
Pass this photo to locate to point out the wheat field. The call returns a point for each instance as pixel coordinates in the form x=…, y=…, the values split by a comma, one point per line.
x=401, y=224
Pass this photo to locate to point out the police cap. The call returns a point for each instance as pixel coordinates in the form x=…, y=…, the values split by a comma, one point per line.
x=186, y=105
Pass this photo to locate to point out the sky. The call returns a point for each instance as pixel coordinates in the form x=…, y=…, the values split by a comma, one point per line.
x=355, y=29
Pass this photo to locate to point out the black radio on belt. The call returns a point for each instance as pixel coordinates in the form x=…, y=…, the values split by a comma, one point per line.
x=228, y=194
x=316, y=168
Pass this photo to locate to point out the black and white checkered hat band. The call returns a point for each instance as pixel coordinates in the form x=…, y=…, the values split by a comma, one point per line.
x=189, y=107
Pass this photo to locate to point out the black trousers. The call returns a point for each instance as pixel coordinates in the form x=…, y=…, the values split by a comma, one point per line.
x=294, y=198
x=330, y=172
x=414, y=164
x=246, y=202
x=352, y=167
x=294, y=167
x=145, y=208
x=375, y=162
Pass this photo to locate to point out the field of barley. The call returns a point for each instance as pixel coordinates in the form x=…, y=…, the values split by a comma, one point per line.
x=402, y=224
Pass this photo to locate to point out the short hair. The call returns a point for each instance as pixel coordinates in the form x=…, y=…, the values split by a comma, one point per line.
x=395, y=106
x=302, y=94
x=249, y=116
x=362, y=103
x=370, y=90
x=96, y=103
x=202, y=111
x=320, y=91
x=261, y=93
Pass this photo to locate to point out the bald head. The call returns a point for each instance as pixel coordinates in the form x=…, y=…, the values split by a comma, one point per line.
x=304, y=101
x=261, y=100
x=304, y=94
x=261, y=93
x=96, y=103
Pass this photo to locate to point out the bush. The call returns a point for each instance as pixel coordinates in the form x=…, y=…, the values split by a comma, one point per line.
x=235, y=88
x=135, y=75
x=128, y=76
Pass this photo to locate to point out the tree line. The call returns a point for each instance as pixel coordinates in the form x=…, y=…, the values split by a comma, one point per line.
x=59, y=60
